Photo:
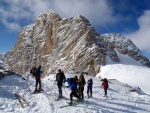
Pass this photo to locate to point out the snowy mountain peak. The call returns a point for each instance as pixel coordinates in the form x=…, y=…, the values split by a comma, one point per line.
x=69, y=44
x=125, y=47
x=52, y=12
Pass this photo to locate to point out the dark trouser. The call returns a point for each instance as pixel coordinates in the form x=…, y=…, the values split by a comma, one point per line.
x=105, y=91
x=59, y=84
x=38, y=81
x=81, y=89
x=89, y=89
x=73, y=93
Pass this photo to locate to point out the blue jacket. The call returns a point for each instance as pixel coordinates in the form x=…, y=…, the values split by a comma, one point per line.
x=90, y=83
x=38, y=71
x=72, y=85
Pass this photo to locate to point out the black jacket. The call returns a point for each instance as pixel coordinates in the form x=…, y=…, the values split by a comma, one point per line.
x=60, y=77
x=38, y=71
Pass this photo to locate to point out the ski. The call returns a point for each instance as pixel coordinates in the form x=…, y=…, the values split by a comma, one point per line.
x=38, y=92
x=21, y=104
x=19, y=99
x=74, y=104
x=59, y=98
x=56, y=99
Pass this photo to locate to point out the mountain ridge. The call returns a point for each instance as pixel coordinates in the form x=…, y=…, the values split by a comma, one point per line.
x=69, y=44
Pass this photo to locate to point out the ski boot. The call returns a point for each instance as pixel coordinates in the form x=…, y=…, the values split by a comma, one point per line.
x=40, y=89
x=35, y=91
x=79, y=100
x=70, y=103
x=91, y=96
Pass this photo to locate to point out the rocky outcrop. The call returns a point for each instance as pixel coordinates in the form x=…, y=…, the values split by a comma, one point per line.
x=2, y=59
x=53, y=42
x=125, y=46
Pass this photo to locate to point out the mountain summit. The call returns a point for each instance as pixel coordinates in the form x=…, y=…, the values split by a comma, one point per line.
x=69, y=44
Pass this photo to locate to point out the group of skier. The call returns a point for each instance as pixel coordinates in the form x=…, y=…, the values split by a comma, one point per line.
x=75, y=84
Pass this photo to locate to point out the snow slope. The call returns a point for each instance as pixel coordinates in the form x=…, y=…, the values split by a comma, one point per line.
x=128, y=71
x=124, y=59
x=132, y=75
x=119, y=100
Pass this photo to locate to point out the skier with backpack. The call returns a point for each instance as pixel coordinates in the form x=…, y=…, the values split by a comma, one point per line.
x=38, y=79
x=89, y=87
x=60, y=78
x=105, y=85
x=81, y=83
x=73, y=87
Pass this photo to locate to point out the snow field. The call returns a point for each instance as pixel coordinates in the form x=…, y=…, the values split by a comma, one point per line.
x=132, y=75
x=119, y=100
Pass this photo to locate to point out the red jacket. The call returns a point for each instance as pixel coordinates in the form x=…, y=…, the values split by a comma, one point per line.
x=105, y=84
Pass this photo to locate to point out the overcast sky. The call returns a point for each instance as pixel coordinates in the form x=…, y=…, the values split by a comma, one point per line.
x=128, y=17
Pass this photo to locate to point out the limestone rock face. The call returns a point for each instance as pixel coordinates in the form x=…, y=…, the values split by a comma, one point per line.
x=69, y=44
x=2, y=59
x=125, y=46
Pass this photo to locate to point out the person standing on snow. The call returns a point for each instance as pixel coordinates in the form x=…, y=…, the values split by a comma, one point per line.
x=81, y=83
x=38, y=79
x=73, y=87
x=105, y=85
x=60, y=78
x=89, y=87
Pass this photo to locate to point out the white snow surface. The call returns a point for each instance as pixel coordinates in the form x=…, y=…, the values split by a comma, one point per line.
x=1, y=61
x=132, y=75
x=127, y=71
x=120, y=99
x=124, y=59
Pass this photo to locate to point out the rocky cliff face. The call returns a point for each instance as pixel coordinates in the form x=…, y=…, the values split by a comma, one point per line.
x=69, y=44
x=125, y=46
x=2, y=59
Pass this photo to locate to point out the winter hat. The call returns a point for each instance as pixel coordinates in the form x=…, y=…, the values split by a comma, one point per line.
x=59, y=70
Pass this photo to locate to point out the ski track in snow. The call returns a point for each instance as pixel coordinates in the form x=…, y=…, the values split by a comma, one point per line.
x=119, y=100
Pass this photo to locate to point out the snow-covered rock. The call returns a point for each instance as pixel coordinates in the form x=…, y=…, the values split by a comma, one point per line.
x=69, y=44
x=2, y=59
x=125, y=46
